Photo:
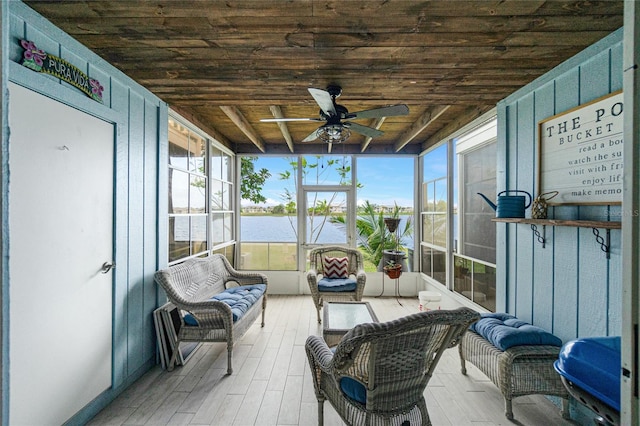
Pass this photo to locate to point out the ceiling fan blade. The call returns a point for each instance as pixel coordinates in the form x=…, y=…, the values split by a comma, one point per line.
x=273, y=120
x=364, y=130
x=312, y=136
x=389, y=111
x=324, y=100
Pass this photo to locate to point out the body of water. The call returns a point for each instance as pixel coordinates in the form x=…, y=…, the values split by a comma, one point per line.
x=281, y=229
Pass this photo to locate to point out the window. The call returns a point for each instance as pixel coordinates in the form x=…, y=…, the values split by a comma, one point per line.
x=268, y=218
x=471, y=252
x=385, y=188
x=271, y=231
x=477, y=232
x=222, y=216
x=474, y=261
x=433, y=244
x=200, y=192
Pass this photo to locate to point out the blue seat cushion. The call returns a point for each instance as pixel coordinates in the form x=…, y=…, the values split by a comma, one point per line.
x=354, y=389
x=504, y=331
x=337, y=284
x=239, y=299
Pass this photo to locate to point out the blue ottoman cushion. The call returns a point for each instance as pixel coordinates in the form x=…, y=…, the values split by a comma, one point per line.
x=504, y=331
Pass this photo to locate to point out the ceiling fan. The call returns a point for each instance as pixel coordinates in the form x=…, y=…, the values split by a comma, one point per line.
x=338, y=126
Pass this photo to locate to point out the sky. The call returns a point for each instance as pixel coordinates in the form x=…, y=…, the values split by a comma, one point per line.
x=384, y=180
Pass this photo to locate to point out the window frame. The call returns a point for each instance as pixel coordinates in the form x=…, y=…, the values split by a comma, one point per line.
x=224, y=245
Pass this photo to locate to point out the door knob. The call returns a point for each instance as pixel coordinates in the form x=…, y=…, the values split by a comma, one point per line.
x=107, y=266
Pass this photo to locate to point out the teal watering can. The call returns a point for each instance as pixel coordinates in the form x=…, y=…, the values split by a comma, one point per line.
x=509, y=205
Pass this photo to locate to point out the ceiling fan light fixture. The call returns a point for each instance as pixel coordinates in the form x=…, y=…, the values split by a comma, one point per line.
x=333, y=133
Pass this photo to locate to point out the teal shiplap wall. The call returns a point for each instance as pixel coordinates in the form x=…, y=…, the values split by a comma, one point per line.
x=569, y=287
x=140, y=120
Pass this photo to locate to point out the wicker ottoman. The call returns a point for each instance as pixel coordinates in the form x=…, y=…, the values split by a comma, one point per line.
x=518, y=371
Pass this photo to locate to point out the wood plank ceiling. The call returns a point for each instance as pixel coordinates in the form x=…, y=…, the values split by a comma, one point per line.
x=226, y=64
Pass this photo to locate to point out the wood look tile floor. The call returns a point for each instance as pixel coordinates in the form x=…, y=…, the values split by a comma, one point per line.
x=271, y=383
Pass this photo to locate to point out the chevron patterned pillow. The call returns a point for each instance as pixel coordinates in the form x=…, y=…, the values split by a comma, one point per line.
x=335, y=267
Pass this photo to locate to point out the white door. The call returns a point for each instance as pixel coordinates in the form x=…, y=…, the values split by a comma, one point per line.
x=61, y=233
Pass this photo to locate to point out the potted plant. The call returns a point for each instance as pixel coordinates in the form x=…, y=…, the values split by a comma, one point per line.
x=392, y=223
x=393, y=269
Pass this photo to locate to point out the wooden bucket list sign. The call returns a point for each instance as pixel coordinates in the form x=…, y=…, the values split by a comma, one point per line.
x=580, y=153
x=40, y=61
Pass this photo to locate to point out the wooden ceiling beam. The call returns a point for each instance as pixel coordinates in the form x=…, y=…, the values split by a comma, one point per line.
x=239, y=120
x=466, y=117
x=277, y=113
x=203, y=124
x=429, y=116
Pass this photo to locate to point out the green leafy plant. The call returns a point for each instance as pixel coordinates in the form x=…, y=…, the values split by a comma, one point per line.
x=392, y=264
x=252, y=181
x=373, y=237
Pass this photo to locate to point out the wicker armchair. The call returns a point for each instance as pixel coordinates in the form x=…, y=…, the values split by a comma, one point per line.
x=327, y=293
x=379, y=371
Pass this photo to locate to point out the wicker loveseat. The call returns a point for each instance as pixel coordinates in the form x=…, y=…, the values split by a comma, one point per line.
x=217, y=303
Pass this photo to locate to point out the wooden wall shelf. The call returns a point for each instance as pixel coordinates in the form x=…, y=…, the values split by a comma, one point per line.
x=593, y=224
x=558, y=222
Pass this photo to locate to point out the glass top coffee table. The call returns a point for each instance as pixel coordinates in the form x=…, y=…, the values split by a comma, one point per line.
x=340, y=317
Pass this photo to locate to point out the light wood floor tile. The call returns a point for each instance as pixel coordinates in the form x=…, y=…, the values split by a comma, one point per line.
x=271, y=383
x=165, y=412
x=291, y=397
x=270, y=408
x=112, y=416
x=180, y=419
x=155, y=401
x=451, y=406
x=298, y=364
x=245, y=376
x=251, y=404
x=308, y=413
x=231, y=408
x=201, y=391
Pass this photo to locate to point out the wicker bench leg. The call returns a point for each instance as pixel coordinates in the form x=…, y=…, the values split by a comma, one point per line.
x=508, y=409
x=229, y=351
x=321, y=413
x=463, y=367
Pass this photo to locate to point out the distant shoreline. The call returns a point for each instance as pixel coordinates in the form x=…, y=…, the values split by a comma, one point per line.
x=408, y=213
